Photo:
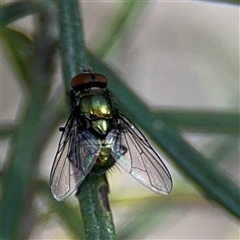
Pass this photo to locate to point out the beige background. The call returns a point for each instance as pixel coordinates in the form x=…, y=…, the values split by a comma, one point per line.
x=178, y=54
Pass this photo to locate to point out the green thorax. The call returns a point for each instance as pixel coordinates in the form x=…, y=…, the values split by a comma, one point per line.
x=97, y=107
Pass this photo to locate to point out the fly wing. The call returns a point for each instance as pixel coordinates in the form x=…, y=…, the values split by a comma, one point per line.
x=133, y=153
x=77, y=152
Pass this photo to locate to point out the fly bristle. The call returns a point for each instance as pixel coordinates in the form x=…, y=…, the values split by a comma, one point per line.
x=115, y=168
x=61, y=129
x=113, y=98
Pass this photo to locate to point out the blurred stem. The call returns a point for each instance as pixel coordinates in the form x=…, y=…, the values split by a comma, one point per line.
x=222, y=1
x=20, y=56
x=14, y=11
x=202, y=121
x=26, y=147
x=7, y=130
x=73, y=52
x=127, y=10
x=93, y=198
x=73, y=58
x=225, y=147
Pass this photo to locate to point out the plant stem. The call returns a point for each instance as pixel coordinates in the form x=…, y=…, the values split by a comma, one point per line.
x=72, y=41
x=21, y=170
x=202, y=121
x=93, y=192
x=96, y=213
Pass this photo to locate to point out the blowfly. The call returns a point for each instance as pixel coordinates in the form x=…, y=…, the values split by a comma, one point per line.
x=97, y=136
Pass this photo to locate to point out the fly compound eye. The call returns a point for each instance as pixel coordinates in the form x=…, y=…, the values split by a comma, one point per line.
x=88, y=80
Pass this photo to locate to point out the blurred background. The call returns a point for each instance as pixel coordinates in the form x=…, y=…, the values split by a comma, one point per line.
x=175, y=56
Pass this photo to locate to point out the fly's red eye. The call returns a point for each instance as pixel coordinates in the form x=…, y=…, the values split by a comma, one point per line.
x=88, y=80
x=100, y=78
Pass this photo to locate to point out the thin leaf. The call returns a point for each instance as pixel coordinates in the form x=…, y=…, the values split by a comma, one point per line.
x=222, y=1
x=7, y=130
x=26, y=149
x=226, y=146
x=202, y=121
x=14, y=11
x=127, y=10
x=20, y=47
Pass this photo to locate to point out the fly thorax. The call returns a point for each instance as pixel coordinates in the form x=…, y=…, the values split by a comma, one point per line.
x=97, y=108
x=102, y=126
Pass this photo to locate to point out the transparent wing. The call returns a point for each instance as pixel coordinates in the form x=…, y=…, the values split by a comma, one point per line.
x=133, y=153
x=77, y=152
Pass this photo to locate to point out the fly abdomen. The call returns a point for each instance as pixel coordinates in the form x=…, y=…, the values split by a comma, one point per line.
x=104, y=161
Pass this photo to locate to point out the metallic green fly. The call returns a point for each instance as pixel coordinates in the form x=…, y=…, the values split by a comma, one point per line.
x=97, y=136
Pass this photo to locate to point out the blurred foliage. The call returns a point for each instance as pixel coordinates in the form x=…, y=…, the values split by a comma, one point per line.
x=33, y=60
x=222, y=1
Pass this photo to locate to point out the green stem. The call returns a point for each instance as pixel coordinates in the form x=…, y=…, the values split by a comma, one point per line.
x=81, y=60
x=71, y=40
x=14, y=11
x=22, y=165
x=73, y=59
x=96, y=213
x=66, y=44
x=127, y=11
x=202, y=121
x=223, y=1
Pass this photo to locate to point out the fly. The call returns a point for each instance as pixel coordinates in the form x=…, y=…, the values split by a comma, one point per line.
x=97, y=136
